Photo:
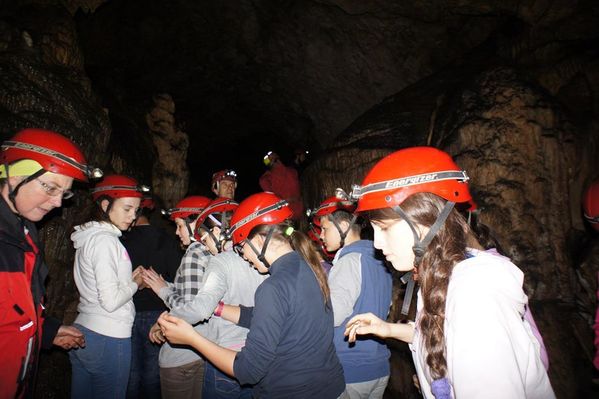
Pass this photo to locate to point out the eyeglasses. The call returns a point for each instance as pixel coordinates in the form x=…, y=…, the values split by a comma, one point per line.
x=53, y=191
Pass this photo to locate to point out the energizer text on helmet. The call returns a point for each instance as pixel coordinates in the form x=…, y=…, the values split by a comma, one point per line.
x=133, y=189
x=216, y=204
x=190, y=210
x=393, y=184
x=257, y=214
x=85, y=169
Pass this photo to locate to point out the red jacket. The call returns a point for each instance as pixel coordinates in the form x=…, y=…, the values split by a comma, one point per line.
x=22, y=275
x=284, y=182
x=596, y=326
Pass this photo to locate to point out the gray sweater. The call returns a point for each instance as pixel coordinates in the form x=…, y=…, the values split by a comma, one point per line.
x=232, y=280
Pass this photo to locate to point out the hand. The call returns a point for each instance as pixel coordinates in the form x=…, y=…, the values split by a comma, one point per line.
x=137, y=277
x=176, y=330
x=366, y=323
x=69, y=337
x=153, y=280
x=156, y=335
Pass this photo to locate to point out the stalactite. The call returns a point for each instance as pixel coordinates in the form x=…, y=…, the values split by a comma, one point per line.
x=170, y=172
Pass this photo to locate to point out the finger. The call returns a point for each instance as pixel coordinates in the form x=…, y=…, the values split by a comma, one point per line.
x=352, y=334
x=170, y=318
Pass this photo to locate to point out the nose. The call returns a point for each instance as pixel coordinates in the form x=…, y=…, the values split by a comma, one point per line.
x=56, y=201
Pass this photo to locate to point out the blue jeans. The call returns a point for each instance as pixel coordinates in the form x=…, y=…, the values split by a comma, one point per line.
x=220, y=386
x=101, y=369
x=144, y=378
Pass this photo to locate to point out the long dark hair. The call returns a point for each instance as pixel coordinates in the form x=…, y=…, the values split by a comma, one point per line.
x=446, y=249
x=93, y=212
x=300, y=243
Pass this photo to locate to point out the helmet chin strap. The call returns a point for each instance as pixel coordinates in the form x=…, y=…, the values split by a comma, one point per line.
x=343, y=234
x=261, y=254
x=12, y=192
x=419, y=248
x=217, y=242
x=189, y=231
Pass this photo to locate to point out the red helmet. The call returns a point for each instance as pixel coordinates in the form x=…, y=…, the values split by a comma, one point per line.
x=53, y=151
x=118, y=186
x=225, y=174
x=410, y=171
x=329, y=206
x=590, y=205
x=257, y=209
x=192, y=205
x=147, y=202
x=219, y=205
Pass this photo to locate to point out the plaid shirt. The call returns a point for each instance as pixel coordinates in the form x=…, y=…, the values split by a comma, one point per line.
x=189, y=278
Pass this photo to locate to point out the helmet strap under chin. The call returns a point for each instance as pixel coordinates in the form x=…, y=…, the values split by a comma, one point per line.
x=12, y=192
x=343, y=234
x=189, y=231
x=419, y=248
x=261, y=254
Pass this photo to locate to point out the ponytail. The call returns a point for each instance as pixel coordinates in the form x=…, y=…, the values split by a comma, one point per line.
x=301, y=244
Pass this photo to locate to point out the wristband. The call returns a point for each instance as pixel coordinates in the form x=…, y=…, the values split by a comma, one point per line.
x=219, y=309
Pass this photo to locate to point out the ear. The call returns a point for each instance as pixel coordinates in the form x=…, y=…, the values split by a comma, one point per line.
x=259, y=239
x=344, y=224
x=104, y=204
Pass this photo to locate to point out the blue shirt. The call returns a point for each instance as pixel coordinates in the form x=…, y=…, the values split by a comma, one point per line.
x=289, y=352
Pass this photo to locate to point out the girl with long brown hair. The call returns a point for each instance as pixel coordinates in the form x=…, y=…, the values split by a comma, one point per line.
x=471, y=337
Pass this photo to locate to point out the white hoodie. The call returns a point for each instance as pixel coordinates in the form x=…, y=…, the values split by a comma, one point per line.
x=102, y=273
x=491, y=350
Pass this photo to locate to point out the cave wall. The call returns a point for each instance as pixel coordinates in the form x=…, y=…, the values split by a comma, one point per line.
x=43, y=84
x=508, y=87
x=528, y=162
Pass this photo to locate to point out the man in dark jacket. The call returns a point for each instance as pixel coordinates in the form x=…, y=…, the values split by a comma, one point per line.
x=37, y=168
x=149, y=246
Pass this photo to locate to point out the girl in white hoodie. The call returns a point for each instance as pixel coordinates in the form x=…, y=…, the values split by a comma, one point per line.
x=103, y=276
x=473, y=336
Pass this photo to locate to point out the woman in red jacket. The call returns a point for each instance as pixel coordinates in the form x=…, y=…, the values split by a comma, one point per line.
x=37, y=168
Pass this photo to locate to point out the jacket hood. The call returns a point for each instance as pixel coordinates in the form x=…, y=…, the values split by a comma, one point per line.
x=83, y=232
x=497, y=270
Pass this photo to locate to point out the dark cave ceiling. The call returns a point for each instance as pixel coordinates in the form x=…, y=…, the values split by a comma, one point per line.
x=247, y=76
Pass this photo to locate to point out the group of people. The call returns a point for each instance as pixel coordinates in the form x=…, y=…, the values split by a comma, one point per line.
x=252, y=308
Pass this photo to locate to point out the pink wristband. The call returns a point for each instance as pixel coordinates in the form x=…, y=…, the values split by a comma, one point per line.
x=219, y=309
